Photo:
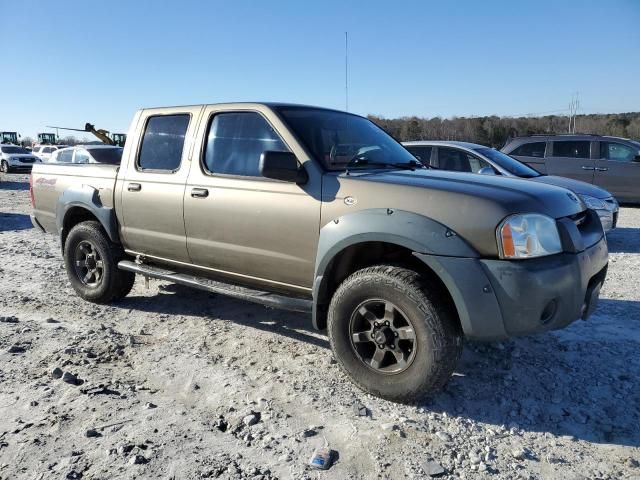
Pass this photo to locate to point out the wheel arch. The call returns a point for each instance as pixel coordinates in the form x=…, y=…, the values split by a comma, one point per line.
x=370, y=237
x=79, y=204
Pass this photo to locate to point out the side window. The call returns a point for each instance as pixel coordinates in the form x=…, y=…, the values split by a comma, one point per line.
x=534, y=149
x=235, y=142
x=422, y=152
x=569, y=149
x=459, y=161
x=163, y=142
x=616, y=151
x=81, y=156
x=47, y=150
x=65, y=156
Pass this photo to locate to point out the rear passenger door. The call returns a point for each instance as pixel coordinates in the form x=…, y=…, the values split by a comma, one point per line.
x=617, y=172
x=239, y=224
x=153, y=184
x=571, y=158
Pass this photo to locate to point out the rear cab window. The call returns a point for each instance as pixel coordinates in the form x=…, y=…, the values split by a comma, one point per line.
x=163, y=143
x=235, y=142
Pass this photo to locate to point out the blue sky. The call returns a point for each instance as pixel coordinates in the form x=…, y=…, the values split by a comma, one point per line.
x=69, y=62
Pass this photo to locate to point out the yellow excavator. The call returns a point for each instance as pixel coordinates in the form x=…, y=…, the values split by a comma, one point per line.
x=104, y=136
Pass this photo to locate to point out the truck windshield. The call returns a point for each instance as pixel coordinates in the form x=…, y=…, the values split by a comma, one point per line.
x=339, y=139
x=112, y=156
x=510, y=164
x=14, y=150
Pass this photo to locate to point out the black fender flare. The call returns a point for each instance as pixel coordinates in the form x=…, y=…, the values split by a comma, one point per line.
x=413, y=231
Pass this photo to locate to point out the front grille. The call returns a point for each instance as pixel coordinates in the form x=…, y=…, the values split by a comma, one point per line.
x=579, y=218
x=27, y=160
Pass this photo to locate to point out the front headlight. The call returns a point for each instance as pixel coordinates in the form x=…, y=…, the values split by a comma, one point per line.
x=594, y=203
x=528, y=235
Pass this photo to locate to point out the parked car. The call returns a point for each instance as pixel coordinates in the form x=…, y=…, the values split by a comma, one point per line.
x=14, y=158
x=43, y=152
x=610, y=162
x=88, y=154
x=474, y=158
x=321, y=211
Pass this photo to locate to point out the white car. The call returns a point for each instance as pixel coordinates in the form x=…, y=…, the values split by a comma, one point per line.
x=14, y=158
x=88, y=154
x=44, y=152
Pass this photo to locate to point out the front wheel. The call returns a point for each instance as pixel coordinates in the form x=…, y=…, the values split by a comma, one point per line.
x=4, y=167
x=395, y=337
x=91, y=261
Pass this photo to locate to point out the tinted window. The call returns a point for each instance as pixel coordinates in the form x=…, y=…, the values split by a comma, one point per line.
x=535, y=149
x=423, y=153
x=570, y=149
x=459, y=161
x=14, y=150
x=163, y=142
x=335, y=138
x=48, y=150
x=235, y=142
x=65, y=156
x=112, y=156
x=617, y=151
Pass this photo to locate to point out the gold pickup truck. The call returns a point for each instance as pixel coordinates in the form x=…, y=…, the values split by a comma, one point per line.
x=320, y=211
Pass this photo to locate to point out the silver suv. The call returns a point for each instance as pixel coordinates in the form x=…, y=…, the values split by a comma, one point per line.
x=612, y=163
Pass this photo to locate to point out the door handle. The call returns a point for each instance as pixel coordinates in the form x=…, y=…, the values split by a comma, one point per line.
x=199, y=192
x=134, y=187
x=602, y=169
x=584, y=167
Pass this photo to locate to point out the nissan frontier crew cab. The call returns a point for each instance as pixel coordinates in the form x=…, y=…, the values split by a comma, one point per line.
x=320, y=211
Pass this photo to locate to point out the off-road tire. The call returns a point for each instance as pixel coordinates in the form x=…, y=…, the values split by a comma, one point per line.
x=438, y=337
x=115, y=284
x=4, y=167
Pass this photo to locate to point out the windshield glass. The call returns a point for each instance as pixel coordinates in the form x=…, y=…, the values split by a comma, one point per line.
x=337, y=138
x=14, y=150
x=510, y=164
x=111, y=156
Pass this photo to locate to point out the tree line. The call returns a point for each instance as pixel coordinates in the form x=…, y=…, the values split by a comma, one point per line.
x=494, y=131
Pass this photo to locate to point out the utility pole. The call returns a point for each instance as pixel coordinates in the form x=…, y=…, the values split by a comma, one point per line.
x=346, y=71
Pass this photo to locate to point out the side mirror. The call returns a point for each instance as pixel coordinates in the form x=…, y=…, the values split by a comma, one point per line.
x=282, y=166
x=636, y=158
x=487, y=171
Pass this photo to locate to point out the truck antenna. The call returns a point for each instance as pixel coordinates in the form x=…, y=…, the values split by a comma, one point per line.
x=346, y=70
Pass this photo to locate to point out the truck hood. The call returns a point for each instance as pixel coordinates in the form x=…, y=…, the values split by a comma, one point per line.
x=469, y=204
x=577, y=186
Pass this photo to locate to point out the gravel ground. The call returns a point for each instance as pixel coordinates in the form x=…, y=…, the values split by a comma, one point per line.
x=178, y=383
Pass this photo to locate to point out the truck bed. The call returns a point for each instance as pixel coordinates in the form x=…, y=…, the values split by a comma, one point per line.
x=49, y=180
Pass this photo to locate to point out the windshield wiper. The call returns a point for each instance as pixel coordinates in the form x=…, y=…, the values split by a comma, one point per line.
x=360, y=159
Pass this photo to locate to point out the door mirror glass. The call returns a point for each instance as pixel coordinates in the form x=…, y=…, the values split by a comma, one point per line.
x=487, y=171
x=282, y=166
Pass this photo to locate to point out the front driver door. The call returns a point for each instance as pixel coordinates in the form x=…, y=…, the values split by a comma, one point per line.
x=240, y=224
x=617, y=172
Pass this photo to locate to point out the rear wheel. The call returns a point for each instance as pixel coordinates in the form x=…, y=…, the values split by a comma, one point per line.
x=4, y=167
x=91, y=260
x=392, y=334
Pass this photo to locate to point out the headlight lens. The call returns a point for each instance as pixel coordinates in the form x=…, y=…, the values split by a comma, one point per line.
x=528, y=235
x=594, y=203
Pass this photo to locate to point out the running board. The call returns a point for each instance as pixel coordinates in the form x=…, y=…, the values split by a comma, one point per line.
x=235, y=291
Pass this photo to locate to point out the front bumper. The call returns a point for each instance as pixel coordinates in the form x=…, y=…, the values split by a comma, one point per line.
x=608, y=218
x=497, y=299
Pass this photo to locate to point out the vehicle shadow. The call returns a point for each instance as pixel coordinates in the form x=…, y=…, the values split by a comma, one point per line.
x=178, y=299
x=624, y=240
x=14, y=221
x=10, y=185
x=580, y=382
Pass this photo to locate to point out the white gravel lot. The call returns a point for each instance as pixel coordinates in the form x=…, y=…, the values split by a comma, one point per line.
x=173, y=376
